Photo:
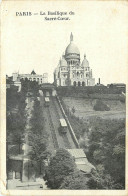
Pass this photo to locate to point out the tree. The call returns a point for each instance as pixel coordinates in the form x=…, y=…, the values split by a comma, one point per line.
x=29, y=86
x=61, y=165
x=12, y=98
x=75, y=181
x=38, y=138
x=99, y=180
x=16, y=121
x=37, y=120
x=107, y=147
x=100, y=106
x=39, y=152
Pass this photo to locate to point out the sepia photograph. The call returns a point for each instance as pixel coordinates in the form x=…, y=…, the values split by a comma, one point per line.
x=64, y=71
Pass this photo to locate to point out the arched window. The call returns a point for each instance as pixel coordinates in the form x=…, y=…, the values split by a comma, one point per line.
x=74, y=83
x=87, y=82
x=77, y=73
x=78, y=83
x=83, y=83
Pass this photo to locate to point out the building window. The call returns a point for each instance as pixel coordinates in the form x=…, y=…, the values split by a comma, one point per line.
x=83, y=83
x=79, y=84
x=74, y=83
x=77, y=73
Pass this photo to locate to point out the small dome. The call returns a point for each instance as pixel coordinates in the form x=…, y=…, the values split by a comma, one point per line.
x=63, y=62
x=85, y=62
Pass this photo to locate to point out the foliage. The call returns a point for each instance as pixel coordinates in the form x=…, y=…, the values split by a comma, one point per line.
x=61, y=165
x=39, y=152
x=100, y=180
x=38, y=138
x=16, y=117
x=100, y=106
x=71, y=91
x=14, y=165
x=29, y=86
x=12, y=97
x=107, y=147
x=75, y=181
x=37, y=120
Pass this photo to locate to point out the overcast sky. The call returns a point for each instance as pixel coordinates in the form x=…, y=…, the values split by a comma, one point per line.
x=100, y=30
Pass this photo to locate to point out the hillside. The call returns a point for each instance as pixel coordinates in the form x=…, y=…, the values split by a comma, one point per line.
x=83, y=108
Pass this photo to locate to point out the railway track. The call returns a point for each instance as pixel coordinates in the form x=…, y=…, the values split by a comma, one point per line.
x=59, y=116
x=52, y=129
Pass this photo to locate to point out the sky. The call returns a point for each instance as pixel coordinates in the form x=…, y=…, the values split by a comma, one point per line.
x=100, y=31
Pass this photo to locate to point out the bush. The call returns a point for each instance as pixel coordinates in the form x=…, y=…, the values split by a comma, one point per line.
x=100, y=106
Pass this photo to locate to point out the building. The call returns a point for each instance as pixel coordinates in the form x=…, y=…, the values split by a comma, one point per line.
x=70, y=71
x=116, y=85
x=32, y=77
x=81, y=160
x=10, y=83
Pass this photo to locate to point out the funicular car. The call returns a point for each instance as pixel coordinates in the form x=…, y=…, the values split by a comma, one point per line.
x=46, y=101
x=63, y=126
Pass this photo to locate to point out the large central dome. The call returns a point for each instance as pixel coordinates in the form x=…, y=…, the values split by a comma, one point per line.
x=72, y=48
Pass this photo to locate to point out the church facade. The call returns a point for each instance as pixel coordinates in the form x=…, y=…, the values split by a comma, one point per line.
x=70, y=71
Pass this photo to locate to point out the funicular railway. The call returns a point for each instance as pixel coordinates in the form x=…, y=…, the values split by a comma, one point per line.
x=53, y=114
x=67, y=141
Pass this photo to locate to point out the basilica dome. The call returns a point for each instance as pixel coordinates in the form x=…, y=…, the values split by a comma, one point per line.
x=85, y=62
x=72, y=48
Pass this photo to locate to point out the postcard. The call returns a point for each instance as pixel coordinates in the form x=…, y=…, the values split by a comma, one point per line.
x=64, y=70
